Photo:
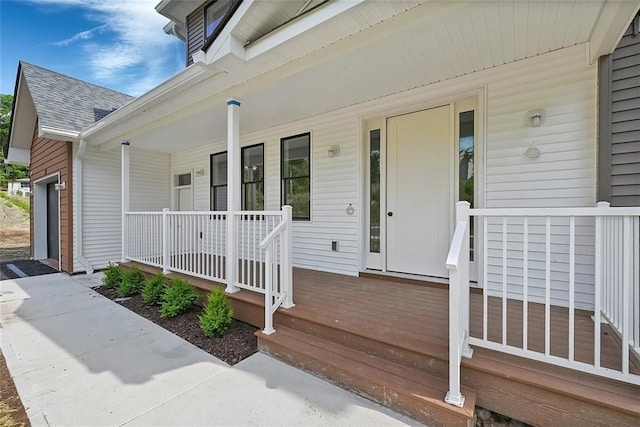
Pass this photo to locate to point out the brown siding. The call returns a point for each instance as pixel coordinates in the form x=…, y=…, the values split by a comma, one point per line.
x=195, y=32
x=49, y=156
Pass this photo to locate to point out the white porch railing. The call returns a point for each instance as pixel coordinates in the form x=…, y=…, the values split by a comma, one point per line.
x=192, y=243
x=278, y=290
x=195, y=243
x=557, y=264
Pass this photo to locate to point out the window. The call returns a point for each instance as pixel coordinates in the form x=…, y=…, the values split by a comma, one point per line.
x=466, y=148
x=374, y=191
x=182, y=180
x=219, y=181
x=295, y=155
x=216, y=16
x=253, y=178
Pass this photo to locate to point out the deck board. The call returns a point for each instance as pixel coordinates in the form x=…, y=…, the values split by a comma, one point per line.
x=416, y=317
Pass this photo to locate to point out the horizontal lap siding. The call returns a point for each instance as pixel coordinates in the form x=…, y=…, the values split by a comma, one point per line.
x=563, y=175
x=49, y=156
x=195, y=33
x=149, y=191
x=625, y=121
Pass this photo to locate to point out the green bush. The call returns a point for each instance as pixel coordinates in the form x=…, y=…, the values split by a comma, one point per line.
x=112, y=276
x=132, y=282
x=217, y=314
x=178, y=297
x=154, y=288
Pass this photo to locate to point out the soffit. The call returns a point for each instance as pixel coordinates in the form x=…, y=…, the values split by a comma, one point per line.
x=430, y=43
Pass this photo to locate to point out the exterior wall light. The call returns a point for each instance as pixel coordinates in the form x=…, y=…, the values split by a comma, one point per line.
x=534, y=118
x=334, y=151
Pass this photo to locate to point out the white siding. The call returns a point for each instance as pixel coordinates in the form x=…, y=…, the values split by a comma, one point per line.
x=101, y=193
x=150, y=180
x=560, y=82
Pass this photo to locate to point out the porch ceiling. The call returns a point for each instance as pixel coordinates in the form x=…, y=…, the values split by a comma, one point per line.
x=433, y=42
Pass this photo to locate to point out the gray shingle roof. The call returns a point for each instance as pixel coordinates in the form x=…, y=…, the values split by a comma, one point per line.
x=66, y=103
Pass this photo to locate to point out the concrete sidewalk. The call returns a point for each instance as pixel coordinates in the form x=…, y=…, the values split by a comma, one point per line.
x=79, y=359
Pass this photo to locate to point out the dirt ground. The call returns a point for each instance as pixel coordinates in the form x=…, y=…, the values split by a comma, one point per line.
x=14, y=233
x=12, y=413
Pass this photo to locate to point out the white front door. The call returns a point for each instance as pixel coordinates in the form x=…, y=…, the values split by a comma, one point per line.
x=418, y=191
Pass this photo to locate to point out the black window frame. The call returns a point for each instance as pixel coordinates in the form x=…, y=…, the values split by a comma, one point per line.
x=208, y=40
x=283, y=179
x=242, y=181
x=212, y=201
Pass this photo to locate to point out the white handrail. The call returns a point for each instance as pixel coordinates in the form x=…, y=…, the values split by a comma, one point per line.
x=458, y=266
x=271, y=236
x=278, y=287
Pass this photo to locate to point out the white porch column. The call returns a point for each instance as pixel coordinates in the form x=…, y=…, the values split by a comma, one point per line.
x=233, y=189
x=124, y=193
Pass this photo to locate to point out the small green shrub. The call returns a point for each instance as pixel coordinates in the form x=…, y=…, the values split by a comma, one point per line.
x=132, y=282
x=217, y=314
x=154, y=288
x=178, y=297
x=112, y=276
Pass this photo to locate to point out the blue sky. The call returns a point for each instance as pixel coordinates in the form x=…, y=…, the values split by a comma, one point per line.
x=118, y=44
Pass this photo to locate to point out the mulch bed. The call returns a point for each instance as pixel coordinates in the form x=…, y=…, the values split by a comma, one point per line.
x=237, y=344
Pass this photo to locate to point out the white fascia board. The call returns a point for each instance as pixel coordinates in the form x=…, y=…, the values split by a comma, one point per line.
x=221, y=46
x=18, y=156
x=301, y=25
x=57, y=134
x=176, y=84
x=615, y=17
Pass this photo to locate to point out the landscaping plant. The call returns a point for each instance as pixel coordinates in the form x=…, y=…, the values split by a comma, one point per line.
x=217, y=314
x=154, y=288
x=132, y=282
x=178, y=297
x=112, y=276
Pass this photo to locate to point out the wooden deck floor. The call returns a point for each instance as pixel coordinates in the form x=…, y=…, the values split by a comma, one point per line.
x=416, y=316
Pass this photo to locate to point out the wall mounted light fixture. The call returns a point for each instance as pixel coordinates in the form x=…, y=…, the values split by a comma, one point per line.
x=334, y=151
x=534, y=118
x=60, y=186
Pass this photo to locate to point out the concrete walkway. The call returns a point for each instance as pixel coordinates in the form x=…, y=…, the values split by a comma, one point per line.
x=79, y=359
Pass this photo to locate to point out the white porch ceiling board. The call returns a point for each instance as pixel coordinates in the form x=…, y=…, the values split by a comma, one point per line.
x=449, y=40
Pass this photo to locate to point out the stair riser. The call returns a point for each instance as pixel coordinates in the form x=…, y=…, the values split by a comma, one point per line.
x=432, y=365
x=530, y=404
x=367, y=387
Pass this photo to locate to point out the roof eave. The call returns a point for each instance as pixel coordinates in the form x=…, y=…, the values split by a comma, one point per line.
x=181, y=81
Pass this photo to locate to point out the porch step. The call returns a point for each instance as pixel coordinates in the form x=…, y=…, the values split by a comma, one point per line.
x=548, y=395
x=408, y=390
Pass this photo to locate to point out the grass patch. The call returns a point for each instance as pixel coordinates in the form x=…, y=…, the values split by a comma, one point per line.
x=19, y=202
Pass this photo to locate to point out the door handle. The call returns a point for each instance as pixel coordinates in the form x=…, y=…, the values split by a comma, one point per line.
x=389, y=213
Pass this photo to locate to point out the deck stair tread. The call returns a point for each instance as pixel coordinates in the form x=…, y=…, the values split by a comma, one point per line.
x=593, y=388
x=353, y=368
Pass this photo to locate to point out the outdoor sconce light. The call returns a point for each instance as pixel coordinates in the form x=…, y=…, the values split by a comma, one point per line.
x=334, y=151
x=200, y=172
x=534, y=118
x=60, y=186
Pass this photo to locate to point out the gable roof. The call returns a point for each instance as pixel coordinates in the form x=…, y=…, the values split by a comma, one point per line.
x=66, y=103
x=60, y=105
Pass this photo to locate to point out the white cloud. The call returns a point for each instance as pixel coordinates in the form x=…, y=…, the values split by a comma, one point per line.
x=83, y=35
x=128, y=49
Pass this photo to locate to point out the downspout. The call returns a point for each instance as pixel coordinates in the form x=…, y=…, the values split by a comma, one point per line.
x=79, y=222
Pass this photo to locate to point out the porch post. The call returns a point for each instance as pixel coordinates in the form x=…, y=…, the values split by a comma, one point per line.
x=287, y=263
x=233, y=189
x=124, y=193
